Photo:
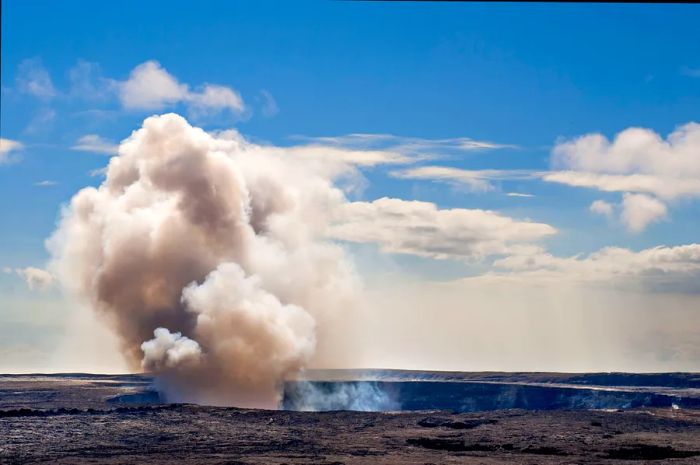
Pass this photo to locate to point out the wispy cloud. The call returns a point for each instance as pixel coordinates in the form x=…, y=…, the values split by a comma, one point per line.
x=269, y=104
x=46, y=183
x=663, y=187
x=474, y=180
x=7, y=146
x=34, y=79
x=409, y=145
x=519, y=194
x=41, y=122
x=96, y=144
x=359, y=157
x=371, y=149
x=87, y=82
x=692, y=72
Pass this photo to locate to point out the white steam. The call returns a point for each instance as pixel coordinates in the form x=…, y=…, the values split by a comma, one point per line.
x=359, y=396
x=215, y=246
x=169, y=350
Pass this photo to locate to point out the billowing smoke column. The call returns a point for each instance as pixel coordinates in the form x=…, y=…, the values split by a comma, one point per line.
x=207, y=256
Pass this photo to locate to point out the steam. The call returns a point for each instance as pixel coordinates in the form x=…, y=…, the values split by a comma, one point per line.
x=169, y=350
x=360, y=396
x=206, y=255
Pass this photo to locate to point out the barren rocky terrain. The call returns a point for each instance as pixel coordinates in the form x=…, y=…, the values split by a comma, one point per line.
x=206, y=435
x=78, y=422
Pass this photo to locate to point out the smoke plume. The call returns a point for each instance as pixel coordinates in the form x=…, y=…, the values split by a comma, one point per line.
x=207, y=256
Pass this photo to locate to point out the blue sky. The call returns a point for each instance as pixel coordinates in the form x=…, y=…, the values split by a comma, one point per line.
x=525, y=76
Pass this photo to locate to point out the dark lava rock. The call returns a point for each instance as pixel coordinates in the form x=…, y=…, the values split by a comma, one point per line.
x=649, y=452
x=543, y=451
x=450, y=444
x=459, y=424
x=57, y=420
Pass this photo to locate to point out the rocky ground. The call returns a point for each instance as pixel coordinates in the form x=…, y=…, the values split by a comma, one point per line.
x=75, y=420
x=193, y=434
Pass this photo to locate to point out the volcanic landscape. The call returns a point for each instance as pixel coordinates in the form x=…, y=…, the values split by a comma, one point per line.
x=419, y=418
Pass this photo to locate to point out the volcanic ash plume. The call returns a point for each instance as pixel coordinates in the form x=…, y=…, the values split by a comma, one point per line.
x=207, y=256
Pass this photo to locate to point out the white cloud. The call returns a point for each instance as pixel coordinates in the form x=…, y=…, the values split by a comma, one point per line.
x=658, y=268
x=665, y=188
x=518, y=194
x=95, y=143
x=215, y=98
x=601, y=207
x=36, y=278
x=637, y=160
x=34, y=79
x=151, y=87
x=169, y=350
x=421, y=228
x=6, y=147
x=474, y=180
x=639, y=210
